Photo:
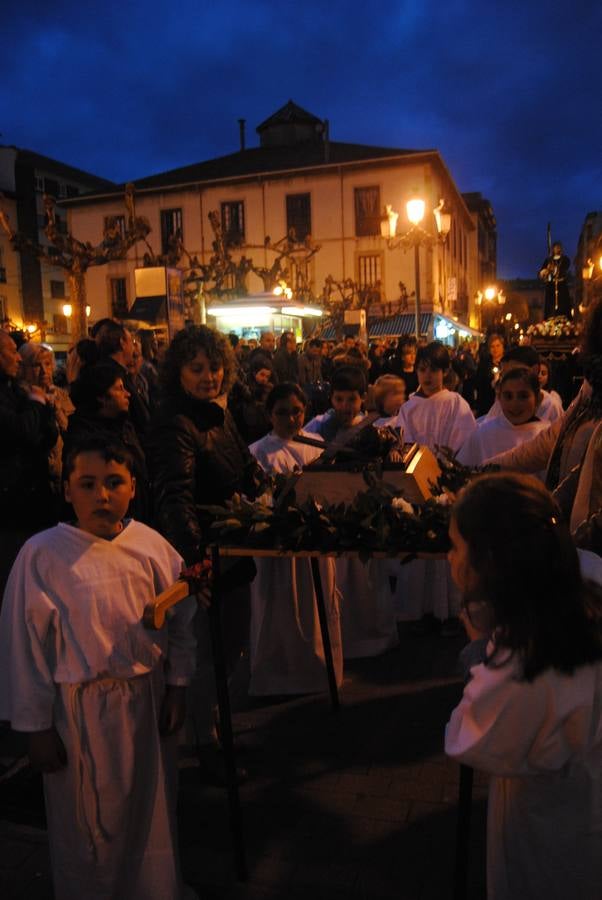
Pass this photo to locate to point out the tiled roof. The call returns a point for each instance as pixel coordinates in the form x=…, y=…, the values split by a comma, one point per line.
x=287, y=114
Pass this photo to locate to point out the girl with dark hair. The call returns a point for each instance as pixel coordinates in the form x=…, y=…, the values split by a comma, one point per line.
x=286, y=651
x=530, y=715
x=199, y=458
x=102, y=410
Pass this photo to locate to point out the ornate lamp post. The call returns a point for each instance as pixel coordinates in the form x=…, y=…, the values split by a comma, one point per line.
x=489, y=295
x=415, y=237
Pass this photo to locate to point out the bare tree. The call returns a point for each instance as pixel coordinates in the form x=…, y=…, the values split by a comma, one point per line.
x=75, y=257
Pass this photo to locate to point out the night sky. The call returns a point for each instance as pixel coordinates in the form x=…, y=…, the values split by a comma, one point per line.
x=509, y=93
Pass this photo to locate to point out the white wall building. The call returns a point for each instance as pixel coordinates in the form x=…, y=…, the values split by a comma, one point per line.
x=335, y=192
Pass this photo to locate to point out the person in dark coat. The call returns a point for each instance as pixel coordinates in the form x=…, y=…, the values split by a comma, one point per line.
x=286, y=361
x=487, y=374
x=29, y=431
x=198, y=457
x=101, y=410
x=247, y=400
x=116, y=344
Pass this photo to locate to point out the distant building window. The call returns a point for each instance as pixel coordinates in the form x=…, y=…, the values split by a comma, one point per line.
x=116, y=222
x=57, y=290
x=60, y=324
x=38, y=183
x=3, y=309
x=119, y=297
x=233, y=221
x=369, y=277
x=369, y=272
x=367, y=211
x=51, y=187
x=171, y=228
x=72, y=191
x=298, y=215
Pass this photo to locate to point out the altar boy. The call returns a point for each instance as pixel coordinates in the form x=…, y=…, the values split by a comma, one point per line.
x=97, y=693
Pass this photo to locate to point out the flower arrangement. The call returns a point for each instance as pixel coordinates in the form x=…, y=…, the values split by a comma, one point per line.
x=555, y=327
x=378, y=520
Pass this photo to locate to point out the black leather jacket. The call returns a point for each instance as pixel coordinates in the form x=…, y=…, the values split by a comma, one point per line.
x=196, y=457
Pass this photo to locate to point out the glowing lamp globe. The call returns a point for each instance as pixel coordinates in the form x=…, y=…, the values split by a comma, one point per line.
x=415, y=210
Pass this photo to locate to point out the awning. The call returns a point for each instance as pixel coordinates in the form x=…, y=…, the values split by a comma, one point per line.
x=388, y=326
x=148, y=309
x=453, y=325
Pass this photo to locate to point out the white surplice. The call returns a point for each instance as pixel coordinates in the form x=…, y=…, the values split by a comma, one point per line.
x=75, y=654
x=286, y=651
x=542, y=744
x=445, y=419
x=425, y=586
x=549, y=409
x=495, y=436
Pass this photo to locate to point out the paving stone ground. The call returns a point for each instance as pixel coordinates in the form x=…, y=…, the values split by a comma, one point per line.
x=357, y=804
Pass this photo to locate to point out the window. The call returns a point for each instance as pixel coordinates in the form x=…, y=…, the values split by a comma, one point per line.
x=57, y=290
x=369, y=276
x=116, y=222
x=39, y=183
x=51, y=187
x=3, y=309
x=171, y=228
x=61, y=224
x=72, y=191
x=119, y=297
x=233, y=221
x=367, y=211
x=298, y=215
x=60, y=324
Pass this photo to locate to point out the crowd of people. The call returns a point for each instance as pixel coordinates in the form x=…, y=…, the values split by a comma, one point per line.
x=109, y=469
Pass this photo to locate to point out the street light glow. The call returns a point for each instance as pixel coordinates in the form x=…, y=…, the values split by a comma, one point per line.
x=415, y=210
x=67, y=310
x=490, y=293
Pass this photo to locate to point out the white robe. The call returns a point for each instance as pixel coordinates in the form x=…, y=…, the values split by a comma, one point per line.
x=369, y=623
x=542, y=744
x=495, y=436
x=74, y=654
x=548, y=410
x=286, y=652
x=425, y=586
x=445, y=419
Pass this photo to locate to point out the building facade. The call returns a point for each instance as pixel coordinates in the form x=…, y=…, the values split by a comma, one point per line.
x=588, y=262
x=33, y=293
x=330, y=193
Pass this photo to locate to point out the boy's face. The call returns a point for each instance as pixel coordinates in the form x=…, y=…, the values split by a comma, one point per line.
x=429, y=380
x=100, y=493
x=347, y=405
x=518, y=401
x=393, y=401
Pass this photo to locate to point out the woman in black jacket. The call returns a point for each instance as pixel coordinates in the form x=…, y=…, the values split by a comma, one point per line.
x=198, y=458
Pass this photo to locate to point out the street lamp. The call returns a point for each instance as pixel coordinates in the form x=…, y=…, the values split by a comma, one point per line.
x=415, y=237
x=490, y=295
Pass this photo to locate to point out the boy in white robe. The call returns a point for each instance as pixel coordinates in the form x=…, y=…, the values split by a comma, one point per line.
x=368, y=618
x=97, y=692
x=433, y=416
x=518, y=395
x=286, y=650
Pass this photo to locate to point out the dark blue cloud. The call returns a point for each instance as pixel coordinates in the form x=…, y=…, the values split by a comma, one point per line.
x=507, y=92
